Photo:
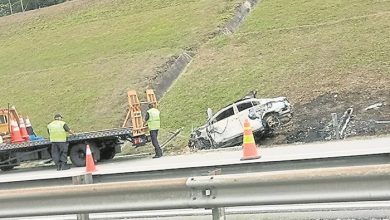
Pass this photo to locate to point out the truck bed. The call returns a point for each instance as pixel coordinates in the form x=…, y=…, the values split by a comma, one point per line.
x=84, y=136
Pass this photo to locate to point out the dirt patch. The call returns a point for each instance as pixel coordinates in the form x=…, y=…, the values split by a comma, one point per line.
x=312, y=121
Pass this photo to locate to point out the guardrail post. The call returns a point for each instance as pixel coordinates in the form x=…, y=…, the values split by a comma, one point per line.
x=218, y=213
x=335, y=125
x=79, y=180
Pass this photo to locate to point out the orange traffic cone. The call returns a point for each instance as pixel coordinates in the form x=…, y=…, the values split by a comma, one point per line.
x=16, y=137
x=89, y=163
x=249, y=146
x=23, y=130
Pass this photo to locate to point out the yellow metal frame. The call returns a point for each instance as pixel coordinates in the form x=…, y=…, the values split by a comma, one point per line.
x=151, y=98
x=135, y=111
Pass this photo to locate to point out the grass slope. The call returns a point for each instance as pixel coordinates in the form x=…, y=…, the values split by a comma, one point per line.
x=298, y=49
x=81, y=57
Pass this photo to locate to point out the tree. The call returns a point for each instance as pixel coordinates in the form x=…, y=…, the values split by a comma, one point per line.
x=24, y=5
x=4, y=9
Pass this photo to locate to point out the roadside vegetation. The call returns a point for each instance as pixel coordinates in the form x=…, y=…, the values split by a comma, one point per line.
x=298, y=49
x=79, y=58
x=9, y=7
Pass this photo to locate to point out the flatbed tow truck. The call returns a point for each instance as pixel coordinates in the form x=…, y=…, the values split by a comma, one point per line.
x=104, y=144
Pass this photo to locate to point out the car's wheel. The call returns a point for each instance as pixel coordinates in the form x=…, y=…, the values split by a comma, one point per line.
x=192, y=145
x=271, y=121
x=77, y=154
x=206, y=144
x=199, y=143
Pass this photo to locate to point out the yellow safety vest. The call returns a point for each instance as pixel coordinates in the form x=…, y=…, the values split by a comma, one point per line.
x=56, y=131
x=154, y=119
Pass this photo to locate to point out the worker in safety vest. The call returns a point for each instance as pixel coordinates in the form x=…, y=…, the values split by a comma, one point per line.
x=152, y=118
x=58, y=137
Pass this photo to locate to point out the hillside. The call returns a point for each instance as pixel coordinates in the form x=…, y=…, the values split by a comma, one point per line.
x=323, y=55
x=80, y=58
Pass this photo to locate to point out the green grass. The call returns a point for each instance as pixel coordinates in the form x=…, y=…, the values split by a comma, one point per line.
x=298, y=49
x=81, y=57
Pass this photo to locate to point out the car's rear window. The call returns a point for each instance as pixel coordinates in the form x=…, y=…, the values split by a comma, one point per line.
x=243, y=106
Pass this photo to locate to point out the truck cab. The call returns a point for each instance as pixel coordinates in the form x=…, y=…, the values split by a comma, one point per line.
x=4, y=122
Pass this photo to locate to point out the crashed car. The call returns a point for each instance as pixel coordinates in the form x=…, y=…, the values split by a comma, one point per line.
x=225, y=128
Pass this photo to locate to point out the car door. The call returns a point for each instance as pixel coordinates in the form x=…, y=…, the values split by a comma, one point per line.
x=243, y=112
x=225, y=125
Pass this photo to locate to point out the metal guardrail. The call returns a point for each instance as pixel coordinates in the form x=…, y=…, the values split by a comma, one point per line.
x=346, y=184
x=253, y=167
x=344, y=210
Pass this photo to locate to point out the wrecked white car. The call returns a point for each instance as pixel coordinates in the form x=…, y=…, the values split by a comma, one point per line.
x=225, y=128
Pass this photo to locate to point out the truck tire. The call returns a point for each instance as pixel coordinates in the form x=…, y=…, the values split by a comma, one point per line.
x=77, y=154
x=10, y=164
x=107, y=154
x=7, y=168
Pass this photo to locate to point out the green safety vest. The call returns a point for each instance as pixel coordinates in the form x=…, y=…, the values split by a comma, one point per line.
x=154, y=119
x=57, y=131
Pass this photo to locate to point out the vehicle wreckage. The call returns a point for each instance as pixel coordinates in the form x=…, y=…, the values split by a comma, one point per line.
x=225, y=128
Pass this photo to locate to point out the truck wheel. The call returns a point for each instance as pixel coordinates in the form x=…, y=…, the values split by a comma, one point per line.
x=77, y=154
x=7, y=168
x=107, y=154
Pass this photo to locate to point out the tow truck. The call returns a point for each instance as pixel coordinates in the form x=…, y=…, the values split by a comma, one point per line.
x=104, y=144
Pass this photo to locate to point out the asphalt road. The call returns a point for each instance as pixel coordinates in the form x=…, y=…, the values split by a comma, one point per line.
x=210, y=158
x=370, y=210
